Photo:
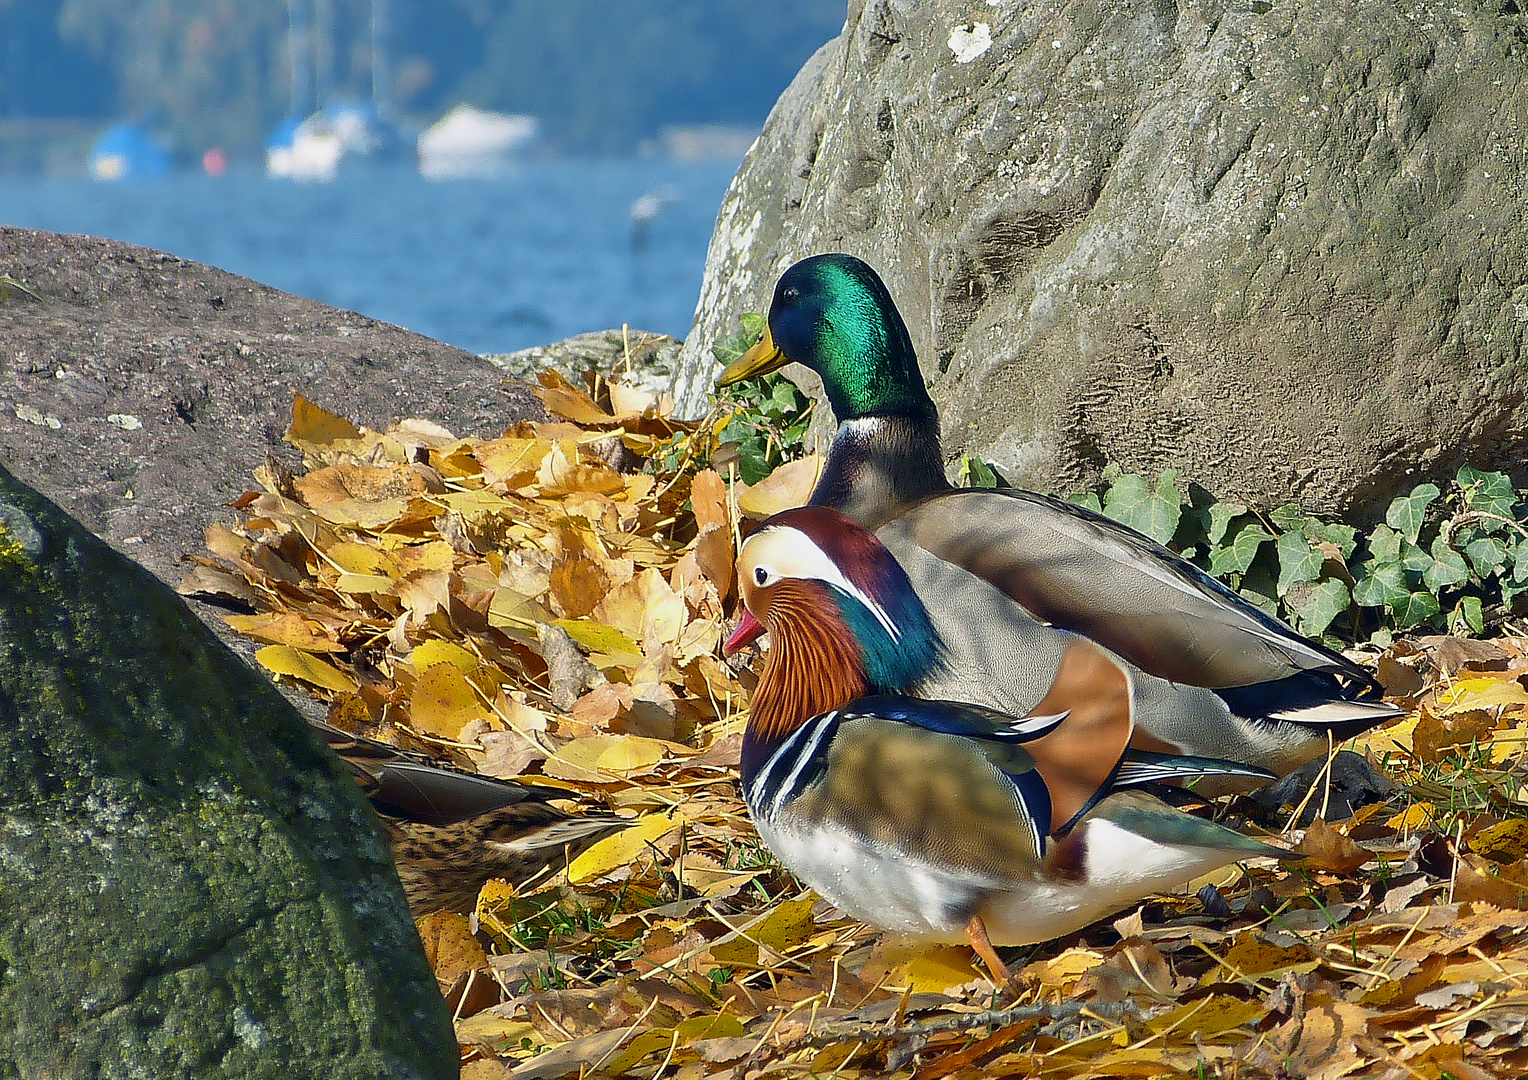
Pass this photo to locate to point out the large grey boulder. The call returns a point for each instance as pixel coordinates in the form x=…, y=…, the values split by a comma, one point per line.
x=140, y=391
x=1279, y=246
x=189, y=885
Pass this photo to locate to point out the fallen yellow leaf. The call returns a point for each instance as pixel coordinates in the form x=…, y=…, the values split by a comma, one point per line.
x=434, y=651
x=444, y=702
x=1208, y=1016
x=597, y=637
x=936, y=970
x=1066, y=968
x=316, y=426
x=621, y=849
x=1414, y=817
x=285, y=660
x=630, y=754
x=283, y=629
x=789, y=485
x=1467, y=694
x=1506, y=745
x=361, y=513
x=364, y=583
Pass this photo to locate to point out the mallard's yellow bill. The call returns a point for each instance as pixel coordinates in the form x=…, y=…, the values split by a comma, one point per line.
x=759, y=360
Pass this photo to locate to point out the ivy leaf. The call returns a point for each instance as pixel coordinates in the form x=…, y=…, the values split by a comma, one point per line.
x=1415, y=559
x=1131, y=502
x=1447, y=567
x=1266, y=604
x=1473, y=613
x=1344, y=536
x=1385, y=544
x=1520, y=561
x=1237, y=556
x=1087, y=499
x=1221, y=514
x=752, y=464
x=1487, y=554
x=729, y=348
x=976, y=473
x=1415, y=609
x=1326, y=601
x=1385, y=586
x=785, y=397
x=1488, y=492
x=1407, y=512
x=1291, y=518
x=1298, y=561
x=1510, y=592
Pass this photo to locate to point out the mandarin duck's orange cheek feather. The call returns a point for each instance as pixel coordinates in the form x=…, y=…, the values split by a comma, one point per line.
x=1210, y=674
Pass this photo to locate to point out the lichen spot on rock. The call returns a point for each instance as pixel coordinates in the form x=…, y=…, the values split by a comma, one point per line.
x=20, y=539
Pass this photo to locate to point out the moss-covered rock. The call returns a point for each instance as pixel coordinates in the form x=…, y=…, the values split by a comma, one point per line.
x=189, y=885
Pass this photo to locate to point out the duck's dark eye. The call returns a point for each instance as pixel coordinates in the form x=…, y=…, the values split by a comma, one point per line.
x=790, y=294
x=760, y=575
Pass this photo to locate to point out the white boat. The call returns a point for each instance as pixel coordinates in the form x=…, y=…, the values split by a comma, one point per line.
x=469, y=142
x=314, y=149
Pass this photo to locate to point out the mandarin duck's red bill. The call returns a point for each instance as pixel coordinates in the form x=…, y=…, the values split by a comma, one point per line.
x=748, y=630
x=943, y=819
x=452, y=831
x=1213, y=675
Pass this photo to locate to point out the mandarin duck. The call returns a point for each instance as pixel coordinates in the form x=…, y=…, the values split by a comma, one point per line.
x=944, y=820
x=1026, y=572
x=452, y=831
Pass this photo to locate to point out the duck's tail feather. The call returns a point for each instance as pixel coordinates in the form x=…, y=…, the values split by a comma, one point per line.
x=1142, y=767
x=1316, y=699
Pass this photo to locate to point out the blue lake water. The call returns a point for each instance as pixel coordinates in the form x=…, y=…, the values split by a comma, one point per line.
x=490, y=265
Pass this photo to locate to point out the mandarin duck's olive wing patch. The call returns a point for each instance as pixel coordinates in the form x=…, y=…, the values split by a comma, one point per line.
x=908, y=789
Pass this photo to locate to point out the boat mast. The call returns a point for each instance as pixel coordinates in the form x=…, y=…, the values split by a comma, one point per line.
x=380, y=71
x=323, y=50
x=299, y=40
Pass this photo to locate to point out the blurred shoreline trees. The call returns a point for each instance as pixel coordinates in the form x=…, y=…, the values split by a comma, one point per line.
x=601, y=76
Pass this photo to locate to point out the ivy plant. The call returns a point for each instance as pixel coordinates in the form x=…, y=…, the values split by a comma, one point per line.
x=764, y=420
x=1444, y=559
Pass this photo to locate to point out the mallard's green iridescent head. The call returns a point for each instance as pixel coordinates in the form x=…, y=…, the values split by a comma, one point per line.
x=832, y=313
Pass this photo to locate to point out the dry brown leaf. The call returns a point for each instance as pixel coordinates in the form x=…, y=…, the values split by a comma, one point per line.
x=789, y=485
x=708, y=501
x=1475, y=881
x=1323, y=1043
x=1327, y=849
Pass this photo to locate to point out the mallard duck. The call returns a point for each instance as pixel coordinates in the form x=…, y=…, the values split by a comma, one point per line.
x=452, y=831
x=945, y=820
x=1019, y=567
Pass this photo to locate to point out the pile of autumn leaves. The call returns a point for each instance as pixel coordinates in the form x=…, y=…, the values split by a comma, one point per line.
x=550, y=603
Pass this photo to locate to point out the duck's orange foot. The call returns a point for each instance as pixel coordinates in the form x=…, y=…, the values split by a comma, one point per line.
x=976, y=934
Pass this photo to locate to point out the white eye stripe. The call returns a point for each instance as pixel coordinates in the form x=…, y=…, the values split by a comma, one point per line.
x=786, y=552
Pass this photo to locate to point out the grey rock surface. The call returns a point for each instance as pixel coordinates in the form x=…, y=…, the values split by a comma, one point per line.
x=642, y=358
x=1280, y=247
x=189, y=884
x=143, y=390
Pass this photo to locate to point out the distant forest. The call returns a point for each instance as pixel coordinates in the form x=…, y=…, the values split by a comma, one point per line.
x=601, y=74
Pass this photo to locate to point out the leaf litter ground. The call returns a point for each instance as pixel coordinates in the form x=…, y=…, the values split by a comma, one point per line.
x=550, y=604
